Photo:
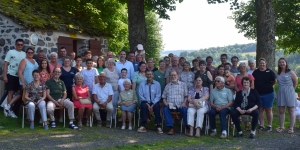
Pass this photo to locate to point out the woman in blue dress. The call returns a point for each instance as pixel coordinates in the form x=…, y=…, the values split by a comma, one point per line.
x=67, y=76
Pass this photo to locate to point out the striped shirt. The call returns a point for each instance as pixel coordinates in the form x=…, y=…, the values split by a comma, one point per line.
x=175, y=93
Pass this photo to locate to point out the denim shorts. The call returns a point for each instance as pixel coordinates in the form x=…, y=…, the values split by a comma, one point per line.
x=267, y=100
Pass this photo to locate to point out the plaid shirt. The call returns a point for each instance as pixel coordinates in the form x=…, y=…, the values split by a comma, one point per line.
x=175, y=93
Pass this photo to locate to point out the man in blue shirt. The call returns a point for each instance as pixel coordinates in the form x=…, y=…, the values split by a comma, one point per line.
x=150, y=93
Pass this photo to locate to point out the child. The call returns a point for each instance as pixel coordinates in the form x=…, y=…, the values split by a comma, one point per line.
x=121, y=80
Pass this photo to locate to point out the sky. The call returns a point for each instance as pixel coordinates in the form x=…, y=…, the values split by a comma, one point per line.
x=195, y=24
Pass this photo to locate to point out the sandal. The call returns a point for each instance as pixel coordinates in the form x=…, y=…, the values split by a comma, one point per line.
x=280, y=130
x=290, y=131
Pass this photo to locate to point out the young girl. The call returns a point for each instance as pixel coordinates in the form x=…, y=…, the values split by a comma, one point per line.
x=100, y=64
x=44, y=71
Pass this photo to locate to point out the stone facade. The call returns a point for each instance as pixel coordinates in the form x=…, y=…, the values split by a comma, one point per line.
x=48, y=39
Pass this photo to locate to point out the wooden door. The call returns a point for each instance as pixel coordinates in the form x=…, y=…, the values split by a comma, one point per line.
x=65, y=42
x=95, y=47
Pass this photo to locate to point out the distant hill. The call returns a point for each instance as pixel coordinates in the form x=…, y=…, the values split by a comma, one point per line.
x=175, y=52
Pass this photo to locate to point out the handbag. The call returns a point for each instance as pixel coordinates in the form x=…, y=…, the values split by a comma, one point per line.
x=85, y=101
x=201, y=104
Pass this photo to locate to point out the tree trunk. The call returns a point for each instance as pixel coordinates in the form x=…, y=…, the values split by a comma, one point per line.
x=136, y=24
x=266, y=27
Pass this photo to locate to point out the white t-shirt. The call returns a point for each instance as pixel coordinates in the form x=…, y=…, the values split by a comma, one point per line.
x=103, y=93
x=120, y=83
x=89, y=77
x=14, y=57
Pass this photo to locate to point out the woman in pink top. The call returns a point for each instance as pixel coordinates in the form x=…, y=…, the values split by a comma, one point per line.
x=53, y=62
x=243, y=73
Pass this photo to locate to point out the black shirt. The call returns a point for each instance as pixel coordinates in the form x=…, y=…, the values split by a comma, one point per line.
x=253, y=99
x=264, y=81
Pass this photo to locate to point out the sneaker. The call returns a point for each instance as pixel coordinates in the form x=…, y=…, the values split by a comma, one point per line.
x=261, y=128
x=123, y=127
x=46, y=127
x=252, y=136
x=53, y=125
x=61, y=119
x=31, y=126
x=142, y=129
x=12, y=114
x=130, y=128
x=239, y=135
x=213, y=133
x=223, y=136
x=73, y=126
x=99, y=123
x=269, y=128
x=159, y=130
x=7, y=107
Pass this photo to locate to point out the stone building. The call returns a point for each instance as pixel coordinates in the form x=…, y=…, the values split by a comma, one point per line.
x=49, y=40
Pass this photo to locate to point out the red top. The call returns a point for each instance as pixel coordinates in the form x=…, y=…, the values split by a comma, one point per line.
x=239, y=83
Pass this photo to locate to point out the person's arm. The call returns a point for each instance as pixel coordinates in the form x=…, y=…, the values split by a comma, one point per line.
x=119, y=88
x=141, y=92
x=131, y=71
x=235, y=86
x=74, y=94
x=108, y=99
x=120, y=100
x=294, y=79
x=50, y=98
x=133, y=85
x=27, y=98
x=20, y=72
x=96, y=100
x=167, y=80
x=5, y=71
x=157, y=94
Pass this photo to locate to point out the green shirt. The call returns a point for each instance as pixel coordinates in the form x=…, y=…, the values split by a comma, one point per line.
x=57, y=89
x=160, y=78
x=100, y=69
x=221, y=97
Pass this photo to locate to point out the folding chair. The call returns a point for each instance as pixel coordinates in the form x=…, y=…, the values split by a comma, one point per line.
x=133, y=115
x=233, y=129
x=173, y=113
x=91, y=124
x=111, y=118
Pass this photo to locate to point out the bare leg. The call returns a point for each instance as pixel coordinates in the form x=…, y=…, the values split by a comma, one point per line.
x=281, y=115
x=80, y=113
x=269, y=115
x=261, y=116
x=10, y=96
x=124, y=118
x=13, y=100
x=292, y=117
x=129, y=115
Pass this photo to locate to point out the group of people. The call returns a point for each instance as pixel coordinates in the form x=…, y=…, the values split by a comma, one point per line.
x=135, y=84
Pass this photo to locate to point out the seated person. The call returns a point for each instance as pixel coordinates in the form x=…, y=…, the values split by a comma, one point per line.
x=81, y=92
x=175, y=97
x=35, y=96
x=127, y=102
x=220, y=101
x=246, y=102
x=149, y=92
x=196, y=94
x=102, y=93
x=56, y=94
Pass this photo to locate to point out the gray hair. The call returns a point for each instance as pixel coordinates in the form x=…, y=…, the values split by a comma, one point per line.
x=53, y=53
x=240, y=65
x=111, y=60
x=251, y=61
x=102, y=73
x=221, y=78
x=127, y=81
x=78, y=75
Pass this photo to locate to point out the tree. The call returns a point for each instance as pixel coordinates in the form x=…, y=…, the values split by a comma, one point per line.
x=265, y=28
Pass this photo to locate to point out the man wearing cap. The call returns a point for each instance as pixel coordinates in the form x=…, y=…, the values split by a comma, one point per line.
x=140, y=50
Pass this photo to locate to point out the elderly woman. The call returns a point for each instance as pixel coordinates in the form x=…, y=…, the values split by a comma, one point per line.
x=112, y=78
x=197, y=94
x=53, y=62
x=138, y=77
x=243, y=73
x=44, y=70
x=127, y=102
x=247, y=102
x=67, y=76
x=35, y=95
x=81, y=99
x=205, y=75
x=187, y=76
x=264, y=81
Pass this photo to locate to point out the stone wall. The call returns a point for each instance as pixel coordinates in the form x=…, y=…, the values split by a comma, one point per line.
x=10, y=31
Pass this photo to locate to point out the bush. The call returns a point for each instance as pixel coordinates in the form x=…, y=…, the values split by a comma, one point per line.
x=297, y=71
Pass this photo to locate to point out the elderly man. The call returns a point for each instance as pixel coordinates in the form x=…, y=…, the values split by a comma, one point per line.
x=175, y=97
x=102, y=93
x=40, y=56
x=220, y=101
x=149, y=92
x=123, y=63
x=56, y=94
x=251, y=64
x=175, y=67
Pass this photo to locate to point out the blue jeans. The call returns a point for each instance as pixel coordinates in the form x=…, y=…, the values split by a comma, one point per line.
x=144, y=110
x=212, y=120
x=168, y=115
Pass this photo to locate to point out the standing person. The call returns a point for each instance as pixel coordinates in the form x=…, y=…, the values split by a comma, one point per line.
x=167, y=60
x=220, y=102
x=90, y=76
x=10, y=73
x=136, y=63
x=122, y=79
x=234, y=67
x=150, y=65
x=44, y=71
x=102, y=93
x=63, y=54
x=223, y=59
x=123, y=63
x=265, y=78
x=26, y=66
x=207, y=80
x=131, y=57
x=181, y=61
x=209, y=65
x=251, y=64
x=57, y=96
x=195, y=67
x=229, y=81
x=88, y=55
x=35, y=96
x=175, y=97
x=221, y=71
x=72, y=58
x=68, y=76
x=149, y=92
x=95, y=58
x=187, y=76
x=197, y=94
x=53, y=62
x=112, y=77
x=243, y=73
x=100, y=64
x=109, y=54
x=287, y=83
x=175, y=67
x=80, y=92
x=138, y=77
x=171, y=55
x=127, y=102
x=78, y=66
x=140, y=51
x=159, y=75
x=40, y=56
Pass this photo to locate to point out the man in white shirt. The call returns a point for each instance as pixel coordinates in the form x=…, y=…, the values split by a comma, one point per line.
x=123, y=63
x=102, y=93
x=10, y=74
x=251, y=64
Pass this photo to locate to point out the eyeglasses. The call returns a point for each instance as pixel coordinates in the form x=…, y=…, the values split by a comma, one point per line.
x=19, y=44
x=217, y=81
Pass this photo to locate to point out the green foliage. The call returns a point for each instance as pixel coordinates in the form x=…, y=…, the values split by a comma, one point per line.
x=297, y=71
x=287, y=23
x=161, y=7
